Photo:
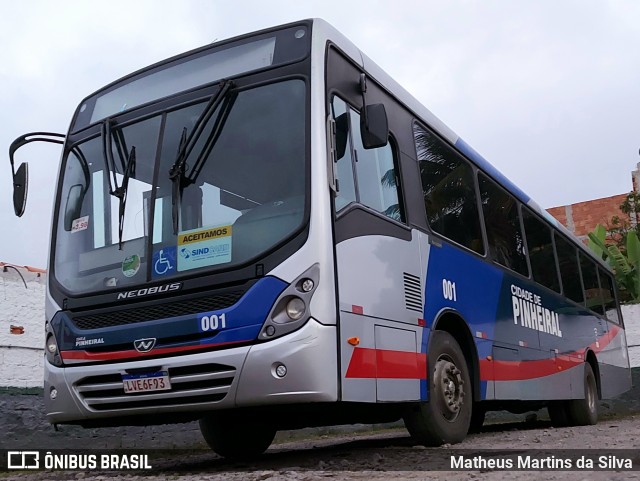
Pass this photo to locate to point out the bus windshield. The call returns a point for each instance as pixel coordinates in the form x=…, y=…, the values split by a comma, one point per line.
x=247, y=196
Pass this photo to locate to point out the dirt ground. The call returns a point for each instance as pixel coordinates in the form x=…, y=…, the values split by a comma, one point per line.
x=384, y=454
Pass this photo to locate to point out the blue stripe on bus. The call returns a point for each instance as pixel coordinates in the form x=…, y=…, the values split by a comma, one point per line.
x=477, y=287
x=243, y=322
x=481, y=162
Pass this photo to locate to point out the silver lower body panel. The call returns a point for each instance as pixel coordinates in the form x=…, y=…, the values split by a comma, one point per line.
x=232, y=378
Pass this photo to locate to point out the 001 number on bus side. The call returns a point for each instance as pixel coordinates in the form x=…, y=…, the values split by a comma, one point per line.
x=449, y=290
x=213, y=322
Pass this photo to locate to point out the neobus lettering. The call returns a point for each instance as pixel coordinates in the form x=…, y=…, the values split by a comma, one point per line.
x=149, y=290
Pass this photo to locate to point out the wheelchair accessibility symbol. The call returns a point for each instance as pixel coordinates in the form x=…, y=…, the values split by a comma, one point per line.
x=164, y=261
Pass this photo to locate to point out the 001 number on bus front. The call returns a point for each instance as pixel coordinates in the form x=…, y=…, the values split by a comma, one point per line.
x=449, y=290
x=213, y=322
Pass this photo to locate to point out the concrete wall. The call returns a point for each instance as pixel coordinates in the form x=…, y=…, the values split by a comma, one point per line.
x=21, y=327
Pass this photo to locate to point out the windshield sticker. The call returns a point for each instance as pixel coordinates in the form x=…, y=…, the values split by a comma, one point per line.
x=204, y=247
x=131, y=265
x=82, y=223
x=164, y=262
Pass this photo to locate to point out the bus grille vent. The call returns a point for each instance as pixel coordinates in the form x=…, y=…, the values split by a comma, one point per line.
x=158, y=311
x=412, y=292
x=200, y=383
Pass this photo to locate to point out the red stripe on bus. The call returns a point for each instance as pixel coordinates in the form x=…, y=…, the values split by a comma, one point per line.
x=523, y=370
x=385, y=364
x=117, y=355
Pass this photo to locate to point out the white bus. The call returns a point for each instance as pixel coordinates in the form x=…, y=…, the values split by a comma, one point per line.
x=270, y=233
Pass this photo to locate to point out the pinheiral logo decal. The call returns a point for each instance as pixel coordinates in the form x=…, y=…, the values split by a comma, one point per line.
x=144, y=345
x=148, y=291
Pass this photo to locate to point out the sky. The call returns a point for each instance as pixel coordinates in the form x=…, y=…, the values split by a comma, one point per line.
x=547, y=90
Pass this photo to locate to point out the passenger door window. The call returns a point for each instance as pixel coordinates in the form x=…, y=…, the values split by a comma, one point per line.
x=367, y=176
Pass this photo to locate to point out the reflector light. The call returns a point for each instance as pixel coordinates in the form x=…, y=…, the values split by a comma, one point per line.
x=307, y=285
x=354, y=341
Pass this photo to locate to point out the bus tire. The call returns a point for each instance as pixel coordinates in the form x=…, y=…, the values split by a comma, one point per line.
x=584, y=412
x=445, y=418
x=558, y=413
x=230, y=437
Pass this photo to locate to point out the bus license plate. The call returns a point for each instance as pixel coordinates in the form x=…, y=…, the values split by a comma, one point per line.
x=155, y=381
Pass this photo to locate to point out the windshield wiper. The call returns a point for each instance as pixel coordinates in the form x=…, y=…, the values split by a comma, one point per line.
x=129, y=169
x=178, y=171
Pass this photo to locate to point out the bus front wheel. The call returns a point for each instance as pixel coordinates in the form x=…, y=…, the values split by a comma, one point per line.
x=445, y=418
x=231, y=437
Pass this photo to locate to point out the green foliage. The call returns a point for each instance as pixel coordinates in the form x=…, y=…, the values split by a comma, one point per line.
x=597, y=245
x=626, y=265
x=618, y=244
x=618, y=228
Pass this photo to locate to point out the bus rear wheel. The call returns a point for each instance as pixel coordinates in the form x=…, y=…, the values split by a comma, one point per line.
x=230, y=437
x=584, y=412
x=447, y=415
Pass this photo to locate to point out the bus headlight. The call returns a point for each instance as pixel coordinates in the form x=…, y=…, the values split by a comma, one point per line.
x=51, y=351
x=52, y=347
x=291, y=309
x=296, y=308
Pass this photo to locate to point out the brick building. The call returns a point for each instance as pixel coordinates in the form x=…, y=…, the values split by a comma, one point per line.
x=582, y=217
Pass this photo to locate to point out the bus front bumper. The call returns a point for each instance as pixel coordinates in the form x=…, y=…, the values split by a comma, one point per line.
x=232, y=378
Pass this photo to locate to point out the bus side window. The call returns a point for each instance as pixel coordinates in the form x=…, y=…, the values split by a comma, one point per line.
x=449, y=191
x=367, y=176
x=569, y=270
x=609, y=296
x=592, y=293
x=502, y=222
x=540, y=247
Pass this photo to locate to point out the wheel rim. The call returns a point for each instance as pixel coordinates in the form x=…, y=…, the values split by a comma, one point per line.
x=449, y=387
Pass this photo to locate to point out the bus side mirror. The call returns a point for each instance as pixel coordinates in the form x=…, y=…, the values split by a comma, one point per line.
x=20, y=185
x=374, y=127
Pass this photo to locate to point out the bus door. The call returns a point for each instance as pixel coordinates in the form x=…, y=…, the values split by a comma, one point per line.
x=379, y=273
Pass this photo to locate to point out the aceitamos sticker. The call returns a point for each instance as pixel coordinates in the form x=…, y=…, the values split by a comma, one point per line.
x=204, y=247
